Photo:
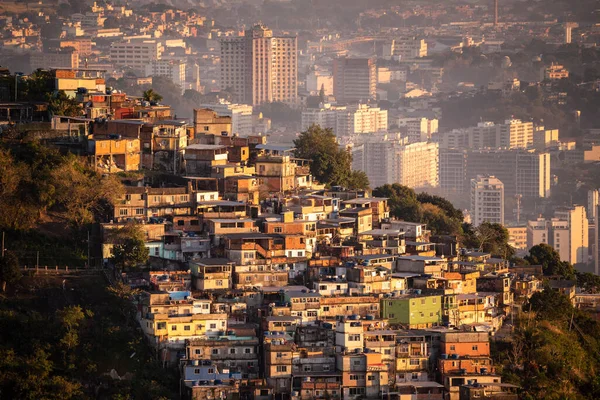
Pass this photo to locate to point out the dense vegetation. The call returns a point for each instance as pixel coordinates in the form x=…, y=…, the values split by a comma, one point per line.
x=553, y=351
x=330, y=164
x=61, y=340
x=49, y=201
x=442, y=218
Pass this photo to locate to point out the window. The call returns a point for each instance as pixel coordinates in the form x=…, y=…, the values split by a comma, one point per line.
x=219, y=283
x=215, y=351
x=173, y=327
x=231, y=351
x=354, y=338
x=278, y=229
x=387, y=352
x=282, y=368
x=354, y=377
x=213, y=326
x=325, y=308
x=211, y=371
x=474, y=348
x=414, y=361
x=452, y=347
x=123, y=211
x=415, y=376
x=326, y=367
x=197, y=371
x=371, y=378
x=161, y=325
x=247, y=351
x=139, y=211
x=186, y=328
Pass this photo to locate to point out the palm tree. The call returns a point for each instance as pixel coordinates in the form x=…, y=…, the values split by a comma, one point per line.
x=151, y=95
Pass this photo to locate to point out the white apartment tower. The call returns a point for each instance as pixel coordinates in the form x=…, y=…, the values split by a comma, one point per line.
x=567, y=233
x=260, y=68
x=135, y=54
x=577, y=220
x=512, y=134
x=388, y=160
x=487, y=200
x=346, y=120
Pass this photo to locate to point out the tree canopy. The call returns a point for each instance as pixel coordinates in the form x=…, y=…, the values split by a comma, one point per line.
x=545, y=255
x=330, y=164
x=129, y=250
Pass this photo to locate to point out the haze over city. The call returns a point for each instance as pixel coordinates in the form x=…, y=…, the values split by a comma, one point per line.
x=299, y=199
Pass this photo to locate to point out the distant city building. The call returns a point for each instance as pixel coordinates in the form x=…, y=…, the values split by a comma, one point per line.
x=592, y=204
x=259, y=67
x=388, y=160
x=524, y=173
x=554, y=72
x=408, y=48
x=487, y=200
x=418, y=129
x=317, y=80
x=174, y=70
x=512, y=134
x=135, y=54
x=66, y=59
x=354, y=79
x=567, y=233
x=241, y=116
x=347, y=120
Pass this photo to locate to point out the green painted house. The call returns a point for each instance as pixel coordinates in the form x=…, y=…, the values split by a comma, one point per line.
x=413, y=311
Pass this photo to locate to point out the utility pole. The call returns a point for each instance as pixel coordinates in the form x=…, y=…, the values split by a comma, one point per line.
x=37, y=260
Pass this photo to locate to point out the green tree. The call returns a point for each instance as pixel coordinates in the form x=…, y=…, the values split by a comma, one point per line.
x=9, y=269
x=550, y=305
x=151, y=95
x=358, y=180
x=438, y=221
x=402, y=201
x=61, y=104
x=488, y=237
x=129, y=250
x=442, y=203
x=544, y=255
x=330, y=164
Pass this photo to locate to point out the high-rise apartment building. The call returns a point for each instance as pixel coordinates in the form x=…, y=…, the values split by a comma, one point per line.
x=260, y=68
x=325, y=116
x=354, y=79
x=135, y=54
x=388, y=160
x=347, y=120
x=487, y=200
x=567, y=233
x=361, y=119
x=512, y=134
x=453, y=171
x=577, y=220
x=418, y=129
x=524, y=173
